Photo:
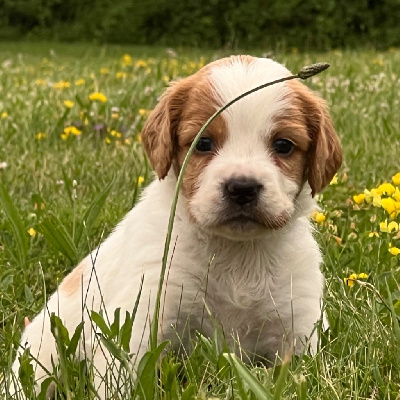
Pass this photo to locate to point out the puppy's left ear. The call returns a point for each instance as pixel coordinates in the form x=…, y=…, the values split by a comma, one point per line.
x=325, y=154
x=159, y=132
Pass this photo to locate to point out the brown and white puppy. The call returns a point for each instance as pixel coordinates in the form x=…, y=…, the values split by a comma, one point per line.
x=243, y=244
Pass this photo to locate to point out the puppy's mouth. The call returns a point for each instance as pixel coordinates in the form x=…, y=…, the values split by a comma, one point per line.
x=244, y=224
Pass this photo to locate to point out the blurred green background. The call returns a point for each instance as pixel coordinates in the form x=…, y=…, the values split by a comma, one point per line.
x=277, y=24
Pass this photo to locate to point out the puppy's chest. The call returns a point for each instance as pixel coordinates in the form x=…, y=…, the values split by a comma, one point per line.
x=240, y=303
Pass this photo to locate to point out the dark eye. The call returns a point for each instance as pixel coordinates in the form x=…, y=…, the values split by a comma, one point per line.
x=283, y=146
x=205, y=144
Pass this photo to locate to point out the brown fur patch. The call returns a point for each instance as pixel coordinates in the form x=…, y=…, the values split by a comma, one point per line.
x=324, y=155
x=292, y=126
x=189, y=100
x=200, y=106
x=72, y=282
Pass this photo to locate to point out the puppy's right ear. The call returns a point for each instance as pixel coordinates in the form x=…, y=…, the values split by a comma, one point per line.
x=159, y=131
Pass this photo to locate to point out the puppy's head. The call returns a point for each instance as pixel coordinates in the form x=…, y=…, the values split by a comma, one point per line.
x=249, y=168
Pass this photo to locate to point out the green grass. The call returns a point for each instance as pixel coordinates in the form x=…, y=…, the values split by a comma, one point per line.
x=72, y=178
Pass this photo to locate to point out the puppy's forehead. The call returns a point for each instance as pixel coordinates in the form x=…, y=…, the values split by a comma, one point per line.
x=230, y=77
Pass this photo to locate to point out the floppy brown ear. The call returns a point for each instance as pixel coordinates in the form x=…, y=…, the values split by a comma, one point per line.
x=325, y=156
x=325, y=153
x=159, y=132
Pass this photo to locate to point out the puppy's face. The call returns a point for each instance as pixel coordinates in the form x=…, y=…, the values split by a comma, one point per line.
x=250, y=166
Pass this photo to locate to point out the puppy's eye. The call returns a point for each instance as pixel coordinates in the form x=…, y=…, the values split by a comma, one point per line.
x=283, y=146
x=205, y=144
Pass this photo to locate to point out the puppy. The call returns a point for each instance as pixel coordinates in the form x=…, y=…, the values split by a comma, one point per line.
x=242, y=248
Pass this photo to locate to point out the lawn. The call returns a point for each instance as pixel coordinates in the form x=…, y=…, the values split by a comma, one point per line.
x=72, y=164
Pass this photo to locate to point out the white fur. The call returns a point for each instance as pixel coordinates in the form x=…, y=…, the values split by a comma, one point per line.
x=264, y=291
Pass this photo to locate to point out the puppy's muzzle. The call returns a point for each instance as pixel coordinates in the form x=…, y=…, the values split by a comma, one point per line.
x=242, y=190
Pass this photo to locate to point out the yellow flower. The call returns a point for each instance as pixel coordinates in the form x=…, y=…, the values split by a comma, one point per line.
x=40, y=82
x=69, y=103
x=373, y=196
x=41, y=135
x=350, y=280
x=79, y=82
x=32, y=232
x=359, y=198
x=126, y=60
x=139, y=138
x=61, y=85
x=98, y=96
x=372, y=234
x=4, y=114
x=141, y=63
x=378, y=61
x=108, y=140
x=128, y=141
x=388, y=228
x=334, y=180
x=353, y=277
x=120, y=75
x=396, y=194
x=140, y=180
x=388, y=204
x=396, y=179
x=394, y=250
x=68, y=130
x=143, y=112
x=104, y=71
x=386, y=188
x=319, y=217
x=115, y=133
x=114, y=115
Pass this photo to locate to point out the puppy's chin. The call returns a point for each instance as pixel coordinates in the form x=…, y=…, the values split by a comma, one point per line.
x=241, y=227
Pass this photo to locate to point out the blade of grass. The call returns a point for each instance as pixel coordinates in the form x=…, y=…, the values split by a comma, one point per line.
x=17, y=225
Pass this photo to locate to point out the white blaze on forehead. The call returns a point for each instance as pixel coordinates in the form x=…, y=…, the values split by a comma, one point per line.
x=251, y=116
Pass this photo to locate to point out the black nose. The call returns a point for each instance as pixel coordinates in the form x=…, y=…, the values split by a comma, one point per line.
x=242, y=190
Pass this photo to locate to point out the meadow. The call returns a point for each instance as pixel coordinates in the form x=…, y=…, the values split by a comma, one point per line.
x=72, y=164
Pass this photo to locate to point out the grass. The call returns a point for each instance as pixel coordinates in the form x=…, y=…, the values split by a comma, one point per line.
x=72, y=192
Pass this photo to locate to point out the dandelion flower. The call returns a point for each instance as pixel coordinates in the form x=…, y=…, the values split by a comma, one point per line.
x=140, y=180
x=126, y=60
x=121, y=75
x=372, y=234
x=394, y=250
x=69, y=103
x=363, y=275
x=4, y=115
x=104, y=71
x=32, y=232
x=79, y=82
x=98, y=96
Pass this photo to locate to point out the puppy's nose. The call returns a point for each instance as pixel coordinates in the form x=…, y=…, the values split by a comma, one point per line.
x=242, y=190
